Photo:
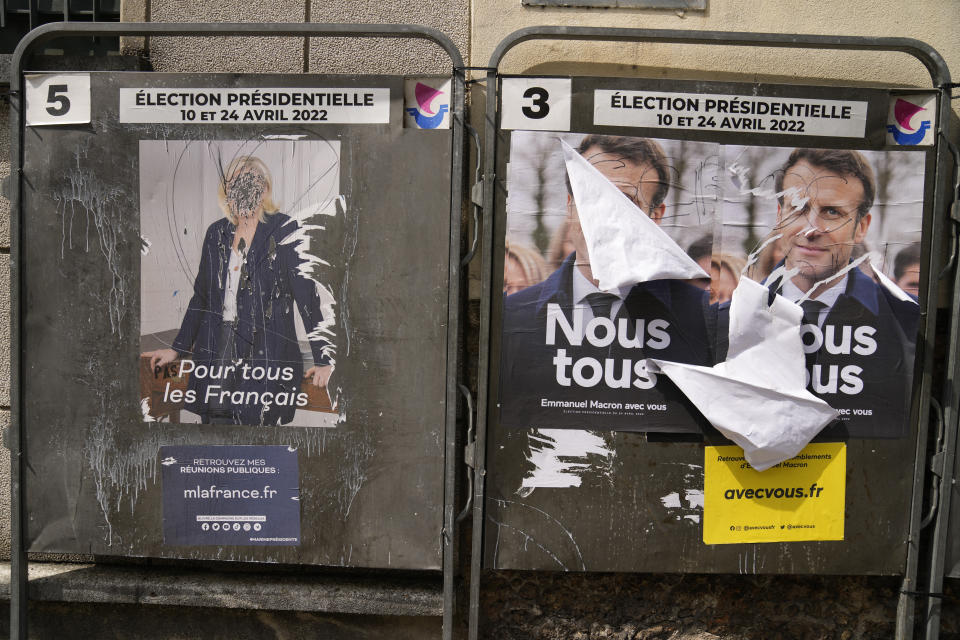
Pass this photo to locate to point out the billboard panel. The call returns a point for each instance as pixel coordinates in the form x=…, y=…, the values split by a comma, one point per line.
x=689, y=265
x=230, y=299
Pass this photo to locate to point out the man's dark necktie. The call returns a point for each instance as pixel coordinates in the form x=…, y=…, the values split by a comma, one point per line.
x=601, y=303
x=811, y=311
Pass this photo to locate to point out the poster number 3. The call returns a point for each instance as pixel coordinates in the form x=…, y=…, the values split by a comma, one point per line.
x=541, y=104
x=54, y=99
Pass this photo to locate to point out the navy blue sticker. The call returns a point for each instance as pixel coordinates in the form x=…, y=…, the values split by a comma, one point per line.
x=230, y=495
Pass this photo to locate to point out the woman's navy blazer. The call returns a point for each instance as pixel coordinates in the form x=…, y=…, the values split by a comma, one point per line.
x=270, y=284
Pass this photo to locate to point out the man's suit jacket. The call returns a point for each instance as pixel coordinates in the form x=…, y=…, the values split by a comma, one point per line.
x=864, y=365
x=529, y=373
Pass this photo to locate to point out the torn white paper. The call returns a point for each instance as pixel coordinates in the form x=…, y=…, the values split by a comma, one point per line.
x=300, y=238
x=560, y=456
x=892, y=287
x=671, y=500
x=624, y=245
x=694, y=498
x=758, y=397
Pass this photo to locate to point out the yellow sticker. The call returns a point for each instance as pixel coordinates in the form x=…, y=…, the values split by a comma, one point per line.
x=799, y=499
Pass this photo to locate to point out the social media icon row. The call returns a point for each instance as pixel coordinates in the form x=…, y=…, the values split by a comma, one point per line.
x=226, y=526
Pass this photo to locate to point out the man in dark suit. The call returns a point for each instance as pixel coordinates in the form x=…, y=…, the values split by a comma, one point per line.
x=573, y=356
x=859, y=336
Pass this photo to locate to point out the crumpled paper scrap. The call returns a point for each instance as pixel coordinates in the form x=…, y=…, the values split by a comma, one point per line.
x=758, y=397
x=624, y=245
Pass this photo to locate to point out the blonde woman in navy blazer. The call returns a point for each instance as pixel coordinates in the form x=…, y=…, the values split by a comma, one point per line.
x=241, y=314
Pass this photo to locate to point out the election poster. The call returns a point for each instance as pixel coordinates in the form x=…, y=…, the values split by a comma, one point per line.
x=232, y=337
x=808, y=212
x=230, y=495
x=238, y=299
x=837, y=231
x=574, y=355
x=600, y=278
x=802, y=498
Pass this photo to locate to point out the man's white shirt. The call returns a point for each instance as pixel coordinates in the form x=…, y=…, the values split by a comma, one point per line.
x=583, y=287
x=829, y=297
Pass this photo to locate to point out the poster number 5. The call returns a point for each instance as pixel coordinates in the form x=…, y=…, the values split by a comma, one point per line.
x=57, y=94
x=535, y=103
x=62, y=98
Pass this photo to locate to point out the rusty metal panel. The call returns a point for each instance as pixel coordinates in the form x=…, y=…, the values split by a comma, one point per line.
x=369, y=452
x=619, y=500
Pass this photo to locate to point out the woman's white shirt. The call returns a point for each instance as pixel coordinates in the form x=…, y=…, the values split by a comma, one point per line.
x=233, y=285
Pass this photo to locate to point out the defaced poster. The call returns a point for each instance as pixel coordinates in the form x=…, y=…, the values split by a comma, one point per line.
x=837, y=231
x=573, y=355
x=238, y=308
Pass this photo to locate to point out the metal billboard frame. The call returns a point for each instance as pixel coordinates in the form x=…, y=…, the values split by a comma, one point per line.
x=19, y=595
x=944, y=459
x=940, y=76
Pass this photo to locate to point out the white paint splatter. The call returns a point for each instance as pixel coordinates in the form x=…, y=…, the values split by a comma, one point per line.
x=693, y=517
x=548, y=446
x=105, y=204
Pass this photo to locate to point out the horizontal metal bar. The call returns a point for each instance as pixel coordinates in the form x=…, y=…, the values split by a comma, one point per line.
x=926, y=54
x=58, y=13
x=86, y=12
x=295, y=29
